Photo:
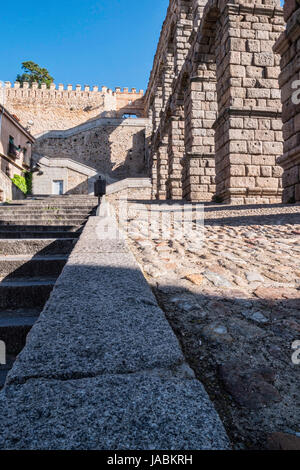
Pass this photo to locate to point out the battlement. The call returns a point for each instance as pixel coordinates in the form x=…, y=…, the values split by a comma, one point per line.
x=62, y=107
x=127, y=92
x=70, y=88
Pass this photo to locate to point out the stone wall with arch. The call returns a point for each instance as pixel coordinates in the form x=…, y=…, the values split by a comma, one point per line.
x=216, y=119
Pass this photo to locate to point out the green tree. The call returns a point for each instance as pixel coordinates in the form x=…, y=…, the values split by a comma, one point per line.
x=34, y=73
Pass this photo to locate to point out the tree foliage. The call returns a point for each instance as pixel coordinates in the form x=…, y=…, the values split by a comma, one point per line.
x=34, y=73
x=20, y=182
x=24, y=182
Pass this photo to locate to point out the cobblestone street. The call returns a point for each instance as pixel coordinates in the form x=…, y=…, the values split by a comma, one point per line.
x=231, y=294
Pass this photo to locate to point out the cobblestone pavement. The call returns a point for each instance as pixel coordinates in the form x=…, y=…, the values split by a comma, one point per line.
x=231, y=292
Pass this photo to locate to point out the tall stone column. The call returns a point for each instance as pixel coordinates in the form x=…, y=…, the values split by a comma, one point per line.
x=175, y=155
x=153, y=167
x=199, y=161
x=155, y=114
x=182, y=34
x=168, y=77
x=162, y=168
x=157, y=107
x=288, y=46
x=248, y=128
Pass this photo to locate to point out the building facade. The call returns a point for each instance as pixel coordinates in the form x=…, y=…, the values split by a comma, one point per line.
x=15, y=152
x=91, y=131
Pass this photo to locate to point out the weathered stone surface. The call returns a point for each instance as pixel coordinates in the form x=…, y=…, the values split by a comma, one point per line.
x=113, y=148
x=261, y=323
x=288, y=47
x=102, y=368
x=112, y=412
x=101, y=318
x=195, y=278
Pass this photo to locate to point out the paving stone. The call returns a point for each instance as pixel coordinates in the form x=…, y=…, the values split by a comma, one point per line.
x=217, y=333
x=283, y=441
x=259, y=317
x=254, y=277
x=195, y=278
x=252, y=388
x=217, y=279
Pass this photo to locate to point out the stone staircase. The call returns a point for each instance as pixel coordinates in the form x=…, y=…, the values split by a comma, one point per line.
x=36, y=237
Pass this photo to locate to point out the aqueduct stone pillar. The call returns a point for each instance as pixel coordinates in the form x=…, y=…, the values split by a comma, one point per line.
x=162, y=168
x=248, y=128
x=175, y=155
x=288, y=46
x=199, y=162
x=168, y=75
x=223, y=50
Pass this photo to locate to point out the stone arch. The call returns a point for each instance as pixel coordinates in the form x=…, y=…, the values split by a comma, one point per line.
x=232, y=128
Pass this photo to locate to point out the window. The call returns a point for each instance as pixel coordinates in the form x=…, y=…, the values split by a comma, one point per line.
x=13, y=150
x=129, y=116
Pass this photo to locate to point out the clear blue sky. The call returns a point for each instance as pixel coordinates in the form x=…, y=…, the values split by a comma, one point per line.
x=109, y=42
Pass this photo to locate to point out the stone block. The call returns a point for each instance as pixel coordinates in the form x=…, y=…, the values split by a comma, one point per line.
x=242, y=182
x=267, y=182
x=149, y=411
x=252, y=170
x=57, y=345
x=266, y=171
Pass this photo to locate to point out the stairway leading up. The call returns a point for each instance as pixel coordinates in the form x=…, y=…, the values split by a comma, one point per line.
x=36, y=237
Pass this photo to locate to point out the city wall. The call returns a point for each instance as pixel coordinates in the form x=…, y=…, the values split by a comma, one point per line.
x=57, y=108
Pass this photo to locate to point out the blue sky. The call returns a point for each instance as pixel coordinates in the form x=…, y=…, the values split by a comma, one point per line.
x=109, y=42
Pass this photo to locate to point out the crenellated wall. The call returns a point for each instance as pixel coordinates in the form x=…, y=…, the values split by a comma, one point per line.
x=59, y=108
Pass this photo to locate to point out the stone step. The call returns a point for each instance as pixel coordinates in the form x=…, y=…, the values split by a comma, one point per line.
x=4, y=369
x=42, y=220
x=25, y=293
x=38, y=234
x=65, y=197
x=15, y=326
x=47, y=222
x=41, y=228
x=47, y=207
x=40, y=246
x=50, y=204
x=20, y=266
x=27, y=212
